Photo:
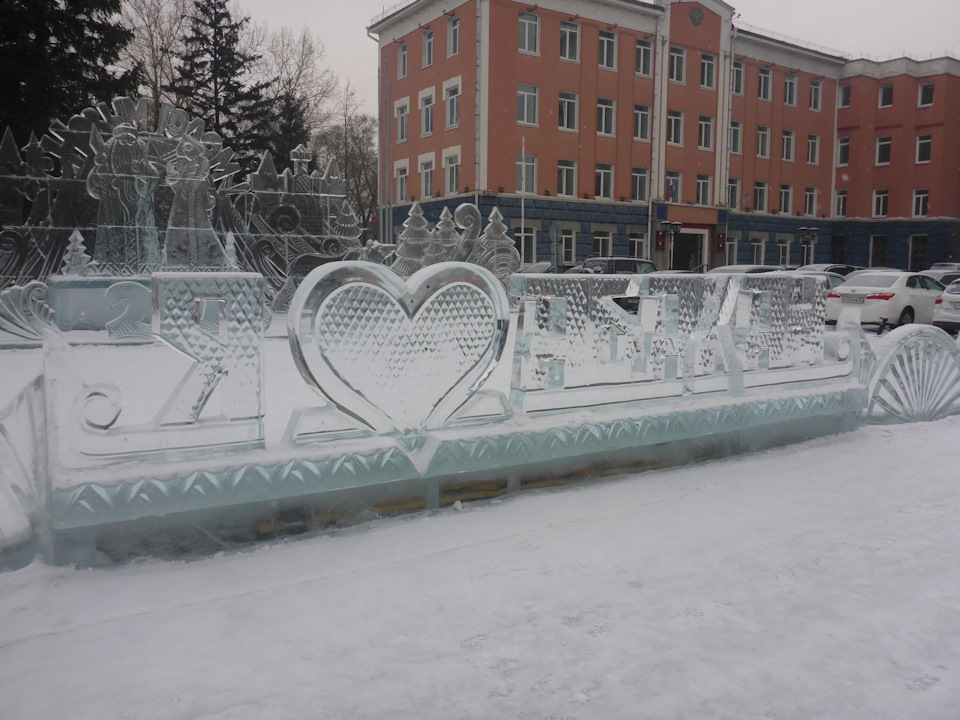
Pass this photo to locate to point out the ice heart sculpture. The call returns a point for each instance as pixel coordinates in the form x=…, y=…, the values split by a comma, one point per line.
x=398, y=355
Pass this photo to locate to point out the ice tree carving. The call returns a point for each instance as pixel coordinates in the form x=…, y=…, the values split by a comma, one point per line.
x=446, y=236
x=191, y=240
x=76, y=261
x=495, y=251
x=413, y=243
x=124, y=180
x=348, y=227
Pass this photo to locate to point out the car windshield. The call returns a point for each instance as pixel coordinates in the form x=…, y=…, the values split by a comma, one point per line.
x=876, y=281
x=954, y=287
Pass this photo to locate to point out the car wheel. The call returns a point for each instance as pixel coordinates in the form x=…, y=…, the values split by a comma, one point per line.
x=906, y=317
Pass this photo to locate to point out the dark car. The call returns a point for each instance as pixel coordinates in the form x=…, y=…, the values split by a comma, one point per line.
x=838, y=268
x=614, y=266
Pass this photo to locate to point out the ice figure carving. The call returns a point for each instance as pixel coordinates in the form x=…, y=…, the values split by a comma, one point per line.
x=191, y=241
x=398, y=355
x=124, y=180
x=216, y=319
x=133, y=301
x=24, y=311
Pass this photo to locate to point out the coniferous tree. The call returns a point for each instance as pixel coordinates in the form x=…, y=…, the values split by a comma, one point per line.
x=212, y=82
x=58, y=58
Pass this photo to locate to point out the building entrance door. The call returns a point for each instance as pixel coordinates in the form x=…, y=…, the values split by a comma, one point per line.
x=687, y=251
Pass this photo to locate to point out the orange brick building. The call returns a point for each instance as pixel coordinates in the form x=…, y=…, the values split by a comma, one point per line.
x=590, y=124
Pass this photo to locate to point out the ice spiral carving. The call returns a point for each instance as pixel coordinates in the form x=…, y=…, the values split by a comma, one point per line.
x=398, y=355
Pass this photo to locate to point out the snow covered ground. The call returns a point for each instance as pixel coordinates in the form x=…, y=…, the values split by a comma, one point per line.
x=820, y=580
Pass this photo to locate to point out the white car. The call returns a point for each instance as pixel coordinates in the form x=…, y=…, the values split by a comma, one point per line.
x=946, y=314
x=894, y=298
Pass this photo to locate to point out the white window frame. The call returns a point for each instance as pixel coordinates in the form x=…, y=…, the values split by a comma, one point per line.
x=527, y=170
x=758, y=250
x=528, y=41
x=427, y=47
x=845, y=93
x=786, y=199
x=525, y=240
x=602, y=243
x=401, y=173
x=843, y=146
x=678, y=65
x=790, y=90
x=528, y=104
x=840, y=203
x=730, y=251
x=426, y=178
x=886, y=142
x=427, y=107
x=763, y=141
x=451, y=102
x=401, y=61
x=453, y=36
x=764, y=81
x=606, y=116
x=736, y=77
x=566, y=100
x=568, y=245
x=881, y=203
x=736, y=137
x=637, y=244
x=639, y=184
x=566, y=172
x=813, y=149
x=783, y=252
x=569, y=36
x=401, y=111
x=816, y=95
x=643, y=64
x=641, y=122
x=788, y=146
x=880, y=93
x=675, y=127
x=705, y=133
x=674, y=178
x=924, y=140
x=921, y=203
x=704, y=190
x=733, y=193
x=607, y=50
x=810, y=201
x=603, y=181
x=760, y=193
x=708, y=71
x=451, y=170
x=920, y=88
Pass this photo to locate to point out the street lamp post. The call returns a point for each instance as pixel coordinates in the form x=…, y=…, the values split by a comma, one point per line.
x=670, y=230
x=808, y=236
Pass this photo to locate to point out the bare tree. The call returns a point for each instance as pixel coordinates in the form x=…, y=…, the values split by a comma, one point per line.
x=159, y=27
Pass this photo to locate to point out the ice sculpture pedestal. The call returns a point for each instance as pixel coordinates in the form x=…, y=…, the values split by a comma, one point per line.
x=98, y=302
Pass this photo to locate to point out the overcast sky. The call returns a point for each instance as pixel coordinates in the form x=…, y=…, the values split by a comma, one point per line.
x=877, y=28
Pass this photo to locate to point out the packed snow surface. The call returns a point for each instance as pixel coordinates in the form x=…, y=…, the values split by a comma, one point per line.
x=820, y=580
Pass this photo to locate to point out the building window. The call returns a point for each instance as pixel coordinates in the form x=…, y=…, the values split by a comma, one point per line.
x=810, y=201
x=924, y=148
x=708, y=71
x=604, y=181
x=925, y=95
x=790, y=90
x=525, y=239
x=641, y=122
x=401, y=184
x=568, y=111
x=401, y=60
x=806, y=253
x=921, y=203
x=453, y=36
x=918, y=254
x=527, y=104
x=527, y=174
x=843, y=151
x=567, y=178
x=733, y=193
x=756, y=251
x=813, y=149
x=678, y=64
x=529, y=33
x=786, y=199
x=638, y=185
x=760, y=196
x=427, y=48
x=426, y=115
x=763, y=141
x=730, y=257
x=838, y=249
x=568, y=241
x=637, y=246
x=844, y=96
x=763, y=87
x=426, y=178
x=402, y=113
x=644, y=58
x=815, y=95
x=569, y=41
x=886, y=96
x=878, y=251
x=737, y=80
x=840, y=204
x=788, y=145
x=783, y=253
x=672, y=191
x=883, y=150
x=608, y=50
x=880, y=198
x=705, y=133
x=704, y=190
x=605, y=115
x=736, y=137
x=453, y=106
x=602, y=243
x=675, y=127
x=452, y=168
